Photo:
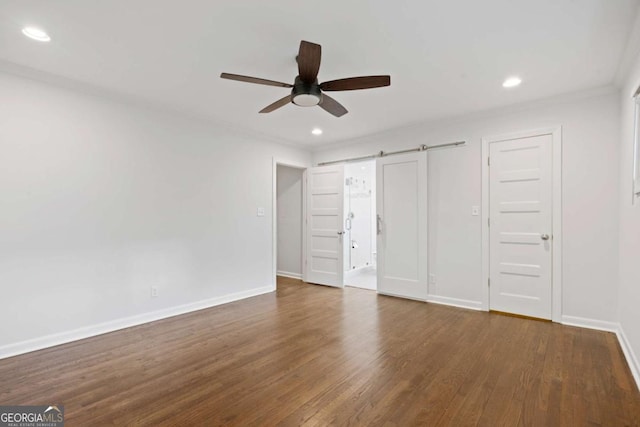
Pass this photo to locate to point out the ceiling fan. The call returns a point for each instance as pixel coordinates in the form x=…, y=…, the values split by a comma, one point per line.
x=306, y=91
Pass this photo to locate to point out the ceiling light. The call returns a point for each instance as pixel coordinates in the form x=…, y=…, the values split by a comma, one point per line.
x=512, y=82
x=317, y=131
x=306, y=100
x=36, y=34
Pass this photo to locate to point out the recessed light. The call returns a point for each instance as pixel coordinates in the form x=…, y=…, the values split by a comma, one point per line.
x=36, y=34
x=512, y=82
x=317, y=131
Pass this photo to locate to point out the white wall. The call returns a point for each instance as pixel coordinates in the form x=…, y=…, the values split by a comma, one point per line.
x=289, y=209
x=629, y=292
x=101, y=200
x=590, y=124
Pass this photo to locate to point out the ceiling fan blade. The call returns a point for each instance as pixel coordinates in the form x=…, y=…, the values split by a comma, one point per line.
x=332, y=106
x=279, y=103
x=309, y=57
x=255, y=80
x=355, y=83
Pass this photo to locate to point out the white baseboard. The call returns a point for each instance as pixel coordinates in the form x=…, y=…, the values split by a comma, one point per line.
x=127, y=322
x=584, y=322
x=455, y=302
x=289, y=274
x=632, y=360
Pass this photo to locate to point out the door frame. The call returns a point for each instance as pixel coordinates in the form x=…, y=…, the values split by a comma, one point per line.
x=556, y=242
x=274, y=214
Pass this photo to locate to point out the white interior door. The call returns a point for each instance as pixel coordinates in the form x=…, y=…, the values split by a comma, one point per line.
x=401, y=199
x=324, y=225
x=520, y=226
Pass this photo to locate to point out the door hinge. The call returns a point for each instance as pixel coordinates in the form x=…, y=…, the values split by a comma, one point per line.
x=489, y=282
x=488, y=222
x=488, y=161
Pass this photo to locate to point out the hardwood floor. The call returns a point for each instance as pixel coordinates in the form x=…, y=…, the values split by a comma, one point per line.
x=315, y=355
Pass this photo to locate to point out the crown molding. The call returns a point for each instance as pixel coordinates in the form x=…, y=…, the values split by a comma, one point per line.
x=566, y=98
x=89, y=89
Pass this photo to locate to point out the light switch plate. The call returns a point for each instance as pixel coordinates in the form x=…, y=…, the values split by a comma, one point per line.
x=260, y=211
x=475, y=210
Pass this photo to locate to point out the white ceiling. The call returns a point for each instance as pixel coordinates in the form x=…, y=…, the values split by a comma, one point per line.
x=445, y=58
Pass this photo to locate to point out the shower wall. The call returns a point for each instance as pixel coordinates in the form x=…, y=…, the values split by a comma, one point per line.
x=360, y=202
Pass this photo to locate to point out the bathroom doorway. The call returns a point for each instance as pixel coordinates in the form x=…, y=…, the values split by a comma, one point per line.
x=360, y=225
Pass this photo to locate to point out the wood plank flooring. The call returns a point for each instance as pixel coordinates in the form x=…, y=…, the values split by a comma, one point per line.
x=313, y=355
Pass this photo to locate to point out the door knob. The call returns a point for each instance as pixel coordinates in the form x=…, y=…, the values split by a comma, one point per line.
x=544, y=236
x=340, y=233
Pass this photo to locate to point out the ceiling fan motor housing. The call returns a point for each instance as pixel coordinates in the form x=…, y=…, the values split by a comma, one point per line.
x=306, y=94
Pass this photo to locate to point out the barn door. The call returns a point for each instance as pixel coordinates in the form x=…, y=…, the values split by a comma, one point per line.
x=401, y=184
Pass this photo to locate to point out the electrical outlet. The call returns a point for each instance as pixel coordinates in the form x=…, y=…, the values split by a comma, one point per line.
x=475, y=210
x=260, y=212
x=432, y=279
x=154, y=291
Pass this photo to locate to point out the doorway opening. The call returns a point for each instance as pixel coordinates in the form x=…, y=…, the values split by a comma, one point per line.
x=360, y=225
x=366, y=225
x=288, y=221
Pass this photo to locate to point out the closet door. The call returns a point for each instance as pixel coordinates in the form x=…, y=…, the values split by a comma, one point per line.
x=521, y=227
x=401, y=184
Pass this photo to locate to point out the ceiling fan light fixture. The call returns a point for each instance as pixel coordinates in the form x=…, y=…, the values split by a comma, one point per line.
x=306, y=94
x=306, y=100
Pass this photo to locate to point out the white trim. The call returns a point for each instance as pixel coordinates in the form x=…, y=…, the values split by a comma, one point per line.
x=557, y=225
x=484, y=214
x=632, y=360
x=635, y=171
x=289, y=274
x=126, y=322
x=275, y=161
x=304, y=224
x=556, y=132
x=456, y=302
x=583, y=322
